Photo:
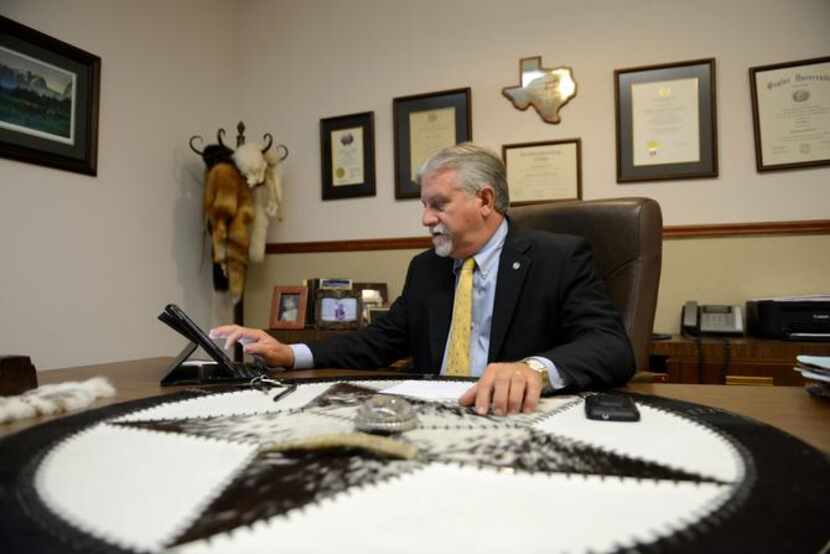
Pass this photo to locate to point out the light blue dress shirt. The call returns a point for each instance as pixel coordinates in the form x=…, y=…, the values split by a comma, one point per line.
x=485, y=278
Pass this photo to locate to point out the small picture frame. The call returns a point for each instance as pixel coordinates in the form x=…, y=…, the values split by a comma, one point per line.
x=373, y=295
x=338, y=309
x=541, y=172
x=49, y=101
x=376, y=313
x=347, y=156
x=423, y=125
x=288, y=307
x=666, y=119
x=790, y=103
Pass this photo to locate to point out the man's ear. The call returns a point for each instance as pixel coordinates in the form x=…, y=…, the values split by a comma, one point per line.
x=488, y=200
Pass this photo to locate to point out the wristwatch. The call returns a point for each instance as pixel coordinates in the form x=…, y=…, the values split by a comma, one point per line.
x=542, y=370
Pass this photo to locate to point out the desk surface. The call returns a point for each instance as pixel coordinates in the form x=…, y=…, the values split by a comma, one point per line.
x=788, y=408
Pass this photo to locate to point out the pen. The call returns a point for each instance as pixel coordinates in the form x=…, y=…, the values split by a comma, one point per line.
x=286, y=391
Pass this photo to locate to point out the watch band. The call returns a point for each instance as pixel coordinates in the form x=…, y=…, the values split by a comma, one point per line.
x=542, y=370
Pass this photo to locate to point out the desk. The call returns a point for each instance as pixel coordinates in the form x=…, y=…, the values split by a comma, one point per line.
x=711, y=360
x=788, y=408
x=698, y=479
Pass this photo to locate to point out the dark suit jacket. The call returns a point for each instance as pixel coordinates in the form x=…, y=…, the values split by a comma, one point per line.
x=549, y=302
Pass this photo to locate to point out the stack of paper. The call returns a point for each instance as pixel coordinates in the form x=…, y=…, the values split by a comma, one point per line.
x=816, y=371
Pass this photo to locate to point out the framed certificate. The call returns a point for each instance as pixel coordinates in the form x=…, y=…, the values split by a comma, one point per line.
x=424, y=124
x=791, y=114
x=347, y=156
x=539, y=172
x=666, y=122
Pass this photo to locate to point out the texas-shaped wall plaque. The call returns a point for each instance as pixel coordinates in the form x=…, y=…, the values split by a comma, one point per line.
x=547, y=90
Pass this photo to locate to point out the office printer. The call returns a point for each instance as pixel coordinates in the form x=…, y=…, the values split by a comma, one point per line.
x=790, y=318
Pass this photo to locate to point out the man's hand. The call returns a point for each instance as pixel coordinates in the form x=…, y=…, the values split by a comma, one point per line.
x=510, y=388
x=257, y=343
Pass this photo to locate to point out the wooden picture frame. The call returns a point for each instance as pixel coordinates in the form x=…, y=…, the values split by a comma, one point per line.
x=789, y=101
x=347, y=156
x=424, y=124
x=666, y=121
x=338, y=309
x=545, y=171
x=50, y=116
x=288, y=307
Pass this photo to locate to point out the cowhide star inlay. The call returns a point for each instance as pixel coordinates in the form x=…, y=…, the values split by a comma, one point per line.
x=275, y=483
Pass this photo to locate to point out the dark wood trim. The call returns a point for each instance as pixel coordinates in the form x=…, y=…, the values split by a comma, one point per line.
x=404, y=243
x=770, y=228
x=808, y=227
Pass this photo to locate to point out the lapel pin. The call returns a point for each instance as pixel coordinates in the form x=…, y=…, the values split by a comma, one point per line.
x=516, y=265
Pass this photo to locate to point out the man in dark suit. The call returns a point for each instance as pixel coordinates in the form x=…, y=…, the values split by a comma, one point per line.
x=523, y=311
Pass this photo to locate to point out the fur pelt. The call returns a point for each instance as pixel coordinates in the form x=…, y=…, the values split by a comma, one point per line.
x=267, y=206
x=228, y=206
x=53, y=399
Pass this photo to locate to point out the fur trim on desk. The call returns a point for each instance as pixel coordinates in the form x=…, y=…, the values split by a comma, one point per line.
x=54, y=399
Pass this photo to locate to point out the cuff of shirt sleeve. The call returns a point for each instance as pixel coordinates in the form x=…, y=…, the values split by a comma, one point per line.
x=303, y=358
x=556, y=380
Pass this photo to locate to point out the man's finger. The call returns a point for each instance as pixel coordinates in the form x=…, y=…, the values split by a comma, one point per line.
x=469, y=396
x=484, y=392
x=501, y=389
x=517, y=392
x=533, y=391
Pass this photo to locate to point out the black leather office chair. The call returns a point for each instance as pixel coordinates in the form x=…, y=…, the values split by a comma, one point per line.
x=626, y=235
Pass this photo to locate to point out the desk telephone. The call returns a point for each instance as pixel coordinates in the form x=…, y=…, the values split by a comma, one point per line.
x=711, y=319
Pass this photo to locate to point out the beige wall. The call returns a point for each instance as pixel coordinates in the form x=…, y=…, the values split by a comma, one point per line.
x=86, y=264
x=326, y=58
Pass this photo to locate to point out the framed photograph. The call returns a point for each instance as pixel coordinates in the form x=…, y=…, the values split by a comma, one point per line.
x=49, y=92
x=790, y=112
x=666, y=122
x=347, y=155
x=338, y=309
x=423, y=125
x=540, y=172
x=377, y=312
x=288, y=307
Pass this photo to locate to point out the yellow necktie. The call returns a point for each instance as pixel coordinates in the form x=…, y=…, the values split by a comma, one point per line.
x=458, y=353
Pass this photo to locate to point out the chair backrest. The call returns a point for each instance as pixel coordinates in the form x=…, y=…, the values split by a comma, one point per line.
x=626, y=235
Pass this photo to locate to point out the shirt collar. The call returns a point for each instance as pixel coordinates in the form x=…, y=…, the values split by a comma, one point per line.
x=488, y=257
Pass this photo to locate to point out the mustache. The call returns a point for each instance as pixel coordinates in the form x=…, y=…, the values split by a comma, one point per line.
x=440, y=229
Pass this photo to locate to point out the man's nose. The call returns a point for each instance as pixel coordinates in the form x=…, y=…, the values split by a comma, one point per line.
x=428, y=218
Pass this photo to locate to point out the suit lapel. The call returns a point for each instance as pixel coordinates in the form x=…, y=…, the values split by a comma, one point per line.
x=513, y=268
x=440, y=313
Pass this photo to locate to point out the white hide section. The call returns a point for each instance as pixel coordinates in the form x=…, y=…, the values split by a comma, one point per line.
x=136, y=488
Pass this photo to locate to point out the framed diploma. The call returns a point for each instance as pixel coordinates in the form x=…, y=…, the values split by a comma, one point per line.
x=347, y=155
x=424, y=124
x=540, y=172
x=791, y=114
x=666, y=122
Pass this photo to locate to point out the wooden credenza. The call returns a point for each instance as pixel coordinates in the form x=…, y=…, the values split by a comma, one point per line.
x=737, y=360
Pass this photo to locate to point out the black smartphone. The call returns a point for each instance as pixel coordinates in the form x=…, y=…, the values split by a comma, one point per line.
x=611, y=407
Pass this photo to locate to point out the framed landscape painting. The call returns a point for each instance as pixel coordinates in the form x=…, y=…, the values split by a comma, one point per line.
x=49, y=94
